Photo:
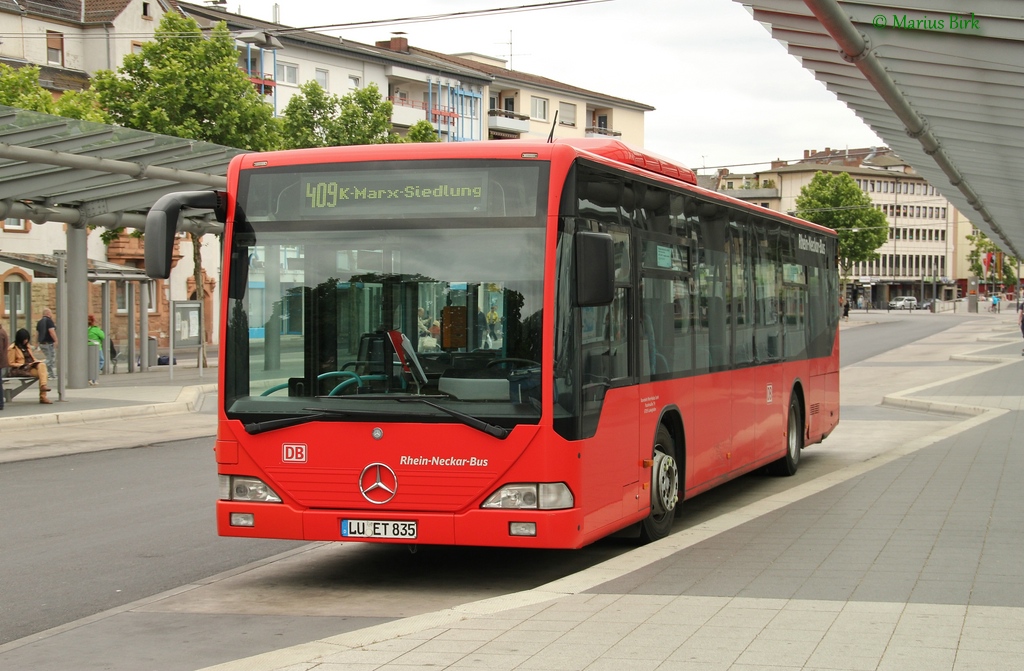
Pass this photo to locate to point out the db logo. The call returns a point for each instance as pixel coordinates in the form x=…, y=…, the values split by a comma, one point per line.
x=293, y=452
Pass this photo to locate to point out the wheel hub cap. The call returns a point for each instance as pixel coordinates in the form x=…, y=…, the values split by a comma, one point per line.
x=666, y=483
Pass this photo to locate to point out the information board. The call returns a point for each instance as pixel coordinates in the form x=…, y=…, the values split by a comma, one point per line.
x=187, y=323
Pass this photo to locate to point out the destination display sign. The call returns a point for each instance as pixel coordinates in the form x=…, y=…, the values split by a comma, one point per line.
x=400, y=190
x=453, y=191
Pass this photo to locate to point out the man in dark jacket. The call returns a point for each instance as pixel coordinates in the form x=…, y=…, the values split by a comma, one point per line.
x=46, y=336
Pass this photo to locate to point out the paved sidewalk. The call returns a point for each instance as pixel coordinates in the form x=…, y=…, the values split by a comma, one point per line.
x=125, y=410
x=907, y=558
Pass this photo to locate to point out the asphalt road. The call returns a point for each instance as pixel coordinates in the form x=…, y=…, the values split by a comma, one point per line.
x=88, y=532
x=888, y=330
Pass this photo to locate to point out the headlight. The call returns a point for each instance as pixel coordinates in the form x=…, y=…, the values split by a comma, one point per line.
x=531, y=496
x=240, y=488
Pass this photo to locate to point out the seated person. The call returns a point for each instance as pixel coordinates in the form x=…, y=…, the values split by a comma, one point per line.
x=24, y=364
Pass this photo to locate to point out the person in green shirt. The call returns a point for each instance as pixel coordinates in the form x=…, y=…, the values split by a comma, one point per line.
x=96, y=337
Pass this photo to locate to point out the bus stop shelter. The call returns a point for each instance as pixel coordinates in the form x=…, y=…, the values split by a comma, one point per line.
x=85, y=174
x=55, y=266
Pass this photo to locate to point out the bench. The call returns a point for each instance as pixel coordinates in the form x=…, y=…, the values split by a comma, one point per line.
x=15, y=385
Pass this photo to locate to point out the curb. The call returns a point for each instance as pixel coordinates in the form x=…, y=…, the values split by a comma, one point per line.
x=902, y=399
x=188, y=401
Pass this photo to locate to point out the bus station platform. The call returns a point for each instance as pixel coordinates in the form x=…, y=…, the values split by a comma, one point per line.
x=904, y=554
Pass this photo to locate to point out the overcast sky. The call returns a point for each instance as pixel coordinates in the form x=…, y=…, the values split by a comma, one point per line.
x=725, y=92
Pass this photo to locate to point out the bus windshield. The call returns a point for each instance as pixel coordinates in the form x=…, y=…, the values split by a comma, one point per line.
x=334, y=309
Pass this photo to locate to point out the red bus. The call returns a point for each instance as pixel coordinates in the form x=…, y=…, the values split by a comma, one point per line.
x=509, y=343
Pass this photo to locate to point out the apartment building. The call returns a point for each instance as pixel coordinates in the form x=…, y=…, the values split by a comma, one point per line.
x=925, y=254
x=520, y=104
x=464, y=96
x=71, y=39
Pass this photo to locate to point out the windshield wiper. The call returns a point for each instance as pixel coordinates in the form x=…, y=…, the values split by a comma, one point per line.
x=273, y=424
x=468, y=420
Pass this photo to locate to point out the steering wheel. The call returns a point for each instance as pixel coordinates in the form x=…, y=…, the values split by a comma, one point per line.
x=350, y=378
x=528, y=363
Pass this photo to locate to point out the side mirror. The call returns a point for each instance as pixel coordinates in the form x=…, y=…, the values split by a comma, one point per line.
x=595, y=269
x=162, y=223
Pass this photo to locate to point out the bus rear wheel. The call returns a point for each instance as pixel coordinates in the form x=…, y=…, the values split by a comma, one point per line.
x=664, y=488
x=789, y=464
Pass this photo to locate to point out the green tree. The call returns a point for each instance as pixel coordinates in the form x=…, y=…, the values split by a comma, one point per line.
x=422, y=131
x=315, y=118
x=19, y=87
x=184, y=85
x=83, y=105
x=311, y=118
x=365, y=117
x=834, y=200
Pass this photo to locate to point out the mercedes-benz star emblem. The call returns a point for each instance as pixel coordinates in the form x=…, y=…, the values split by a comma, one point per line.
x=378, y=483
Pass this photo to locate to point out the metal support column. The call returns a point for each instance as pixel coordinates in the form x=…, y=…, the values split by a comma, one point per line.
x=108, y=366
x=130, y=304
x=62, y=316
x=275, y=303
x=144, y=326
x=73, y=332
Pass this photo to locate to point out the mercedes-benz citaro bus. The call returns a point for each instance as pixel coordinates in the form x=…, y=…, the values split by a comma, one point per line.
x=516, y=343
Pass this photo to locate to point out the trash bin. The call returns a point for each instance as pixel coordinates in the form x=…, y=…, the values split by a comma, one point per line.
x=94, y=361
x=151, y=353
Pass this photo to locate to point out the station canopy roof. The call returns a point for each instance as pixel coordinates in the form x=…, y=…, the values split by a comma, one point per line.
x=941, y=81
x=79, y=172
x=45, y=265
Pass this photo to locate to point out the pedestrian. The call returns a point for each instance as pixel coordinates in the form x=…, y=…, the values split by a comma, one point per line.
x=24, y=364
x=4, y=344
x=493, y=320
x=96, y=337
x=46, y=336
x=1020, y=319
x=846, y=311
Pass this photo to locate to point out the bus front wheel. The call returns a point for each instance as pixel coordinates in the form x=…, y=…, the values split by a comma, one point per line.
x=664, y=488
x=788, y=464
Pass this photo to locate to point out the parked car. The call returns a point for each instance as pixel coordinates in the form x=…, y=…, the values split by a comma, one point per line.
x=903, y=303
x=925, y=304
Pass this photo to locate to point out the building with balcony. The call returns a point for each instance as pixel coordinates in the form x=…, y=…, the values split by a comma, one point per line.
x=520, y=105
x=279, y=59
x=464, y=96
x=71, y=39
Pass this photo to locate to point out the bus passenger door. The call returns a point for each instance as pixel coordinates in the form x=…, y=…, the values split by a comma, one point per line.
x=610, y=405
x=610, y=398
x=768, y=342
x=713, y=384
x=748, y=378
